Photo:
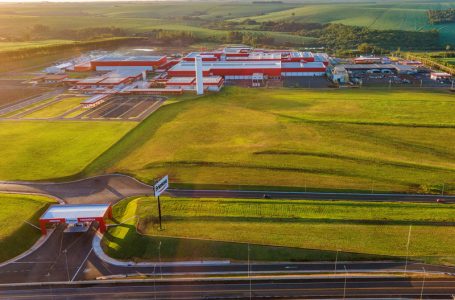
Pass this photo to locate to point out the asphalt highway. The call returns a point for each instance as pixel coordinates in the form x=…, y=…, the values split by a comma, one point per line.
x=308, y=195
x=69, y=257
x=337, y=288
x=112, y=188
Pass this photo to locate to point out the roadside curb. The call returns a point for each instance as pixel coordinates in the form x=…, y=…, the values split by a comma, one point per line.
x=96, y=245
x=35, y=246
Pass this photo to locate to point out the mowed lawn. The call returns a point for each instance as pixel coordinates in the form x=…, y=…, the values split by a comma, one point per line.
x=39, y=150
x=357, y=229
x=56, y=109
x=370, y=140
x=16, y=236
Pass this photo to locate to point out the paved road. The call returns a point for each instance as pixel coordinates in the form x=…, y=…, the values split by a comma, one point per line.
x=29, y=101
x=308, y=195
x=114, y=187
x=69, y=257
x=100, y=189
x=284, y=289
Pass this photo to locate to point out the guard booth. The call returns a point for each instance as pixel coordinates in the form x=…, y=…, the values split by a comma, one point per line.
x=77, y=217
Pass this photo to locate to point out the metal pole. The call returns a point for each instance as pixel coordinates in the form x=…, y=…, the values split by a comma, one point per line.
x=159, y=211
x=423, y=284
x=345, y=281
x=249, y=275
x=154, y=281
x=443, y=186
x=159, y=259
x=407, y=249
x=336, y=261
x=67, y=268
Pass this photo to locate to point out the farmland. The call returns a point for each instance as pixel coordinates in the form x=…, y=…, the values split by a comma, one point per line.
x=38, y=150
x=16, y=236
x=141, y=18
x=358, y=229
x=369, y=140
x=409, y=15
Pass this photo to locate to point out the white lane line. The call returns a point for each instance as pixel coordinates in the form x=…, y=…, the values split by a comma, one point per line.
x=82, y=264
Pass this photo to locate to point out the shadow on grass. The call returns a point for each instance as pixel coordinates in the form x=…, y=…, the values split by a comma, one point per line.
x=22, y=238
x=137, y=247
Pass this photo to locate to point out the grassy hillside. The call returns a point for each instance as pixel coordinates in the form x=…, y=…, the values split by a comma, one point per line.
x=36, y=150
x=403, y=15
x=326, y=139
x=16, y=236
x=351, y=227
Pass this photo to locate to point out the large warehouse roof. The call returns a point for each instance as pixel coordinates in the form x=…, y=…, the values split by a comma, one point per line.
x=206, y=65
x=75, y=211
x=151, y=58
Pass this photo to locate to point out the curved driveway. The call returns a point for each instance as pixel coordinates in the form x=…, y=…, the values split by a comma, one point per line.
x=101, y=189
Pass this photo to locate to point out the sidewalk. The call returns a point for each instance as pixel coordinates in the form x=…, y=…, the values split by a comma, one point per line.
x=96, y=245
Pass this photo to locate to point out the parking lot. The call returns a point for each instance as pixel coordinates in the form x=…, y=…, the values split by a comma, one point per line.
x=124, y=107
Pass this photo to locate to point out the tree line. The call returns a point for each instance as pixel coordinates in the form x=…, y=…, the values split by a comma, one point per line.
x=20, y=54
x=339, y=36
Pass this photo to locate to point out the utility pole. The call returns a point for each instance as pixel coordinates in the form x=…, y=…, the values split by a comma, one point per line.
x=407, y=250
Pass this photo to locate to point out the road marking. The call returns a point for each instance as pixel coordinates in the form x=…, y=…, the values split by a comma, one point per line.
x=82, y=264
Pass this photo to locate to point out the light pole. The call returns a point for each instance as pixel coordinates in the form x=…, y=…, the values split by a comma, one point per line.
x=336, y=260
x=159, y=259
x=66, y=260
x=407, y=249
x=249, y=275
x=345, y=281
x=423, y=284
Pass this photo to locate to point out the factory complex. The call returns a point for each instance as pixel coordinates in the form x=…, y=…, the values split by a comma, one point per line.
x=102, y=76
x=159, y=74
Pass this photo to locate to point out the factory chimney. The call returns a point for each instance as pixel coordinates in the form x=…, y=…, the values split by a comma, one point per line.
x=199, y=75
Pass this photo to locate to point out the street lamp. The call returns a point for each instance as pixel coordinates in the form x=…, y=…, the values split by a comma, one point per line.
x=423, y=284
x=345, y=281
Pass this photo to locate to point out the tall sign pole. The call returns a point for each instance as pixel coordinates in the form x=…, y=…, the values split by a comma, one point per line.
x=159, y=188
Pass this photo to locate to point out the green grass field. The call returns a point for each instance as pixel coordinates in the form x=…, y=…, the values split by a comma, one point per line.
x=450, y=60
x=403, y=15
x=11, y=46
x=56, y=109
x=357, y=229
x=378, y=140
x=38, y=150
x=16, y=236
x=17, y=19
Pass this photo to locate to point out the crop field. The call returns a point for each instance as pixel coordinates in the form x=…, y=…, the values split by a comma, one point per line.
x=450, y=60
x=369, y=140
x=38, y=150
x=355, y=228
x=11, y=46
x=404, y=15
x=16, y=236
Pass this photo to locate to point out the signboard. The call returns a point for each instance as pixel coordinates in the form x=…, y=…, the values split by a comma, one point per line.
x=161, y=185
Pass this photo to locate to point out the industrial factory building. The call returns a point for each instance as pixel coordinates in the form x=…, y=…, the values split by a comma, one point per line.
x=128, y=74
